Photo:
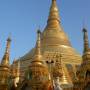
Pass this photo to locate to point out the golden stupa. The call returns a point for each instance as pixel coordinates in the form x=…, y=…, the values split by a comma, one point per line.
x=5, y=68
x=54, y=42
x=83, y=73
x=37, y=74
x=53, y=64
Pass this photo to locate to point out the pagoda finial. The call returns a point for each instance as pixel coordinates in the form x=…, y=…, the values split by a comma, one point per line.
x=8, y=45
x=53, y=0
x=37, y=51
x=37, y=56
x=5, y=59
x=53, y=18
x=86, y=42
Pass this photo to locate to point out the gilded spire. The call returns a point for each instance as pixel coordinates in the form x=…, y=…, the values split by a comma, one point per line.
x=5, y=59
x=37, y=56
x=86, y=43
x=53, y=34
x=53, y=19
x=37, y=51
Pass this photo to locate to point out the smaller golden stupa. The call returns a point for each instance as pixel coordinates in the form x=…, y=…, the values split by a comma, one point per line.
x=83, y=73
x=37, y=75
x=5, y=68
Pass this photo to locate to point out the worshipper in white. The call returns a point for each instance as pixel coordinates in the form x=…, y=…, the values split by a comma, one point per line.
x=57, y=84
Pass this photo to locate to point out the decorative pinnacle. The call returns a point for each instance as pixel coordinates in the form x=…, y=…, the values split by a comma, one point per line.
x=84, y=30
x=8, y=45
x=37, y=51
x=53, y=19
x=5, y=59
x=86, y=43
x=37, y=56
x=9, y=39
x=53, y=0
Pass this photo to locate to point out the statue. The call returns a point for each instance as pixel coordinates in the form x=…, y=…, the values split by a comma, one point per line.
x=57, y=84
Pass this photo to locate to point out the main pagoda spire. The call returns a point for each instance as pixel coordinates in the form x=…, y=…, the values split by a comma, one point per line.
x=53, y=34
x=53, y=19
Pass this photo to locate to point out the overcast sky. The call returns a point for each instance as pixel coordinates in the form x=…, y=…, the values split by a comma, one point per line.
x=22, y=18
